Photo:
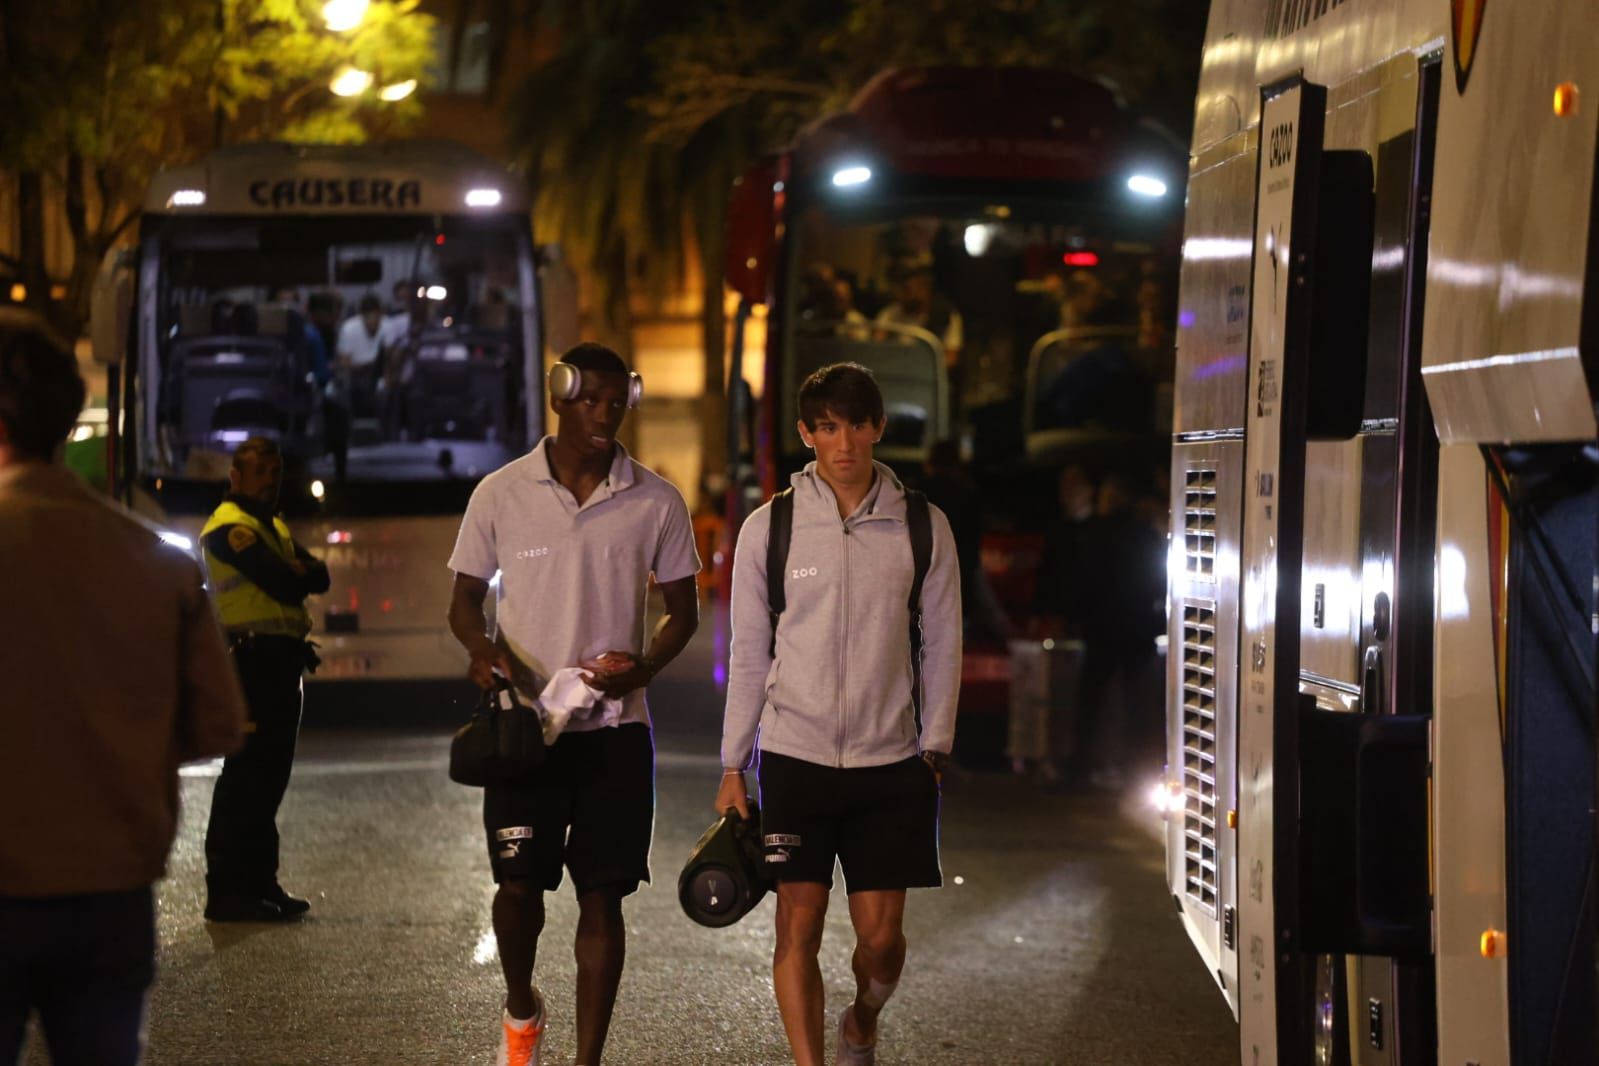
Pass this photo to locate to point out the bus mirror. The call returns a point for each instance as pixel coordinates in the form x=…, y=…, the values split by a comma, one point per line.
x=1340, y=296
x=751, y=230
x=110, y=306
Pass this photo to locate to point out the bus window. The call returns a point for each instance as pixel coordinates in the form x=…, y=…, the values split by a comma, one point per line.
x=1028, y=339
x=375, y=349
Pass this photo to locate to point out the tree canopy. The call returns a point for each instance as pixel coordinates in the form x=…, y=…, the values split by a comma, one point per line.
x=100, y=93
x=636, y=125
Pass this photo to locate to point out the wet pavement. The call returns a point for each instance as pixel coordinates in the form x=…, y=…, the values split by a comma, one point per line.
x=1053, y=941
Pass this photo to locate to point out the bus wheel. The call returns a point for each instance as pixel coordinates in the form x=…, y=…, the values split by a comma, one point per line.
x=1329, y=1022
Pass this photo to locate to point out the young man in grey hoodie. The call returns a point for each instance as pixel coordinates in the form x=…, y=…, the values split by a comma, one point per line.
x=843, y=772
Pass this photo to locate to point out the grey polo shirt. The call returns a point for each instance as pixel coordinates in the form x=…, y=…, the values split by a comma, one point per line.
x=573, y=580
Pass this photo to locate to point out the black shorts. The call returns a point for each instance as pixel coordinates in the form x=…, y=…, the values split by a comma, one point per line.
x=880, y=822
x=591, y=808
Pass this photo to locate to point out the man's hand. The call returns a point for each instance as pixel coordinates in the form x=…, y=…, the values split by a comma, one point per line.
x=732, y=795
x=486, y=662
x=616, y=673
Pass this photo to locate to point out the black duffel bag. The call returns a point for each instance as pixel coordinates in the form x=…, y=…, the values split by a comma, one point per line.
x=502, y=743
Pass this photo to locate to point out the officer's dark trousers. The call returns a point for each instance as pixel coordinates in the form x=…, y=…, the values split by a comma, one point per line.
x=241, y=841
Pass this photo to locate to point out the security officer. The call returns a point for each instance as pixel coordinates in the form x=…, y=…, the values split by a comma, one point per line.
x=260, y=579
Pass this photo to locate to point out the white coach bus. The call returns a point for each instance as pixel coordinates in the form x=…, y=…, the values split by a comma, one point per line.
x=1380, y=715
x=249, y=267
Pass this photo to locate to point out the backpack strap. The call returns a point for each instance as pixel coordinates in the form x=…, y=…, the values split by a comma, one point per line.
x=778, y=535
x=920, y=522
x=920, y=526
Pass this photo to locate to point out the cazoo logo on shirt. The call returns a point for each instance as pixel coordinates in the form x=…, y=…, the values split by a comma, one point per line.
x=532, y=553
x=803, y=571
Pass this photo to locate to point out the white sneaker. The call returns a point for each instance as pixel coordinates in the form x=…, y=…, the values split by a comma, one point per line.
x=519, y=1044
x=848, y=1054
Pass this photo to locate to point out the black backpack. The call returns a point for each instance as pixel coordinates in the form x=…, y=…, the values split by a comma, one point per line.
x=920, y=525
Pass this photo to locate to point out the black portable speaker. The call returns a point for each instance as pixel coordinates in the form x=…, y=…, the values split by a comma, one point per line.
x=723, y=879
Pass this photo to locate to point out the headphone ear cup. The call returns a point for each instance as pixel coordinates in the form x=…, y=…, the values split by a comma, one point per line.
x=566, y=381
x=635, y=390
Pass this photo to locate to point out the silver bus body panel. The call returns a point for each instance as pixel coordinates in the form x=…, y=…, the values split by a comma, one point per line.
x=1250, y=43
x=1509, y=246
x=1213, y=322
x=1468, y=773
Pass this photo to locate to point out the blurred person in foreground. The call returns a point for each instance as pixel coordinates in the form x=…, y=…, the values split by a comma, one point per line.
x=115, y=672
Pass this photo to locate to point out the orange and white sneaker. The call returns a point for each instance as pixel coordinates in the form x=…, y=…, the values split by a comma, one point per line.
x=519, y=1040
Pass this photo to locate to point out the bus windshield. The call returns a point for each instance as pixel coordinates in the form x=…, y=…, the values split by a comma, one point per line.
x=386, y=355
x=1025, y=336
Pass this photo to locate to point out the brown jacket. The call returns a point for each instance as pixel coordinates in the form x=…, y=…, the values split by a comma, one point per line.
x=112, y=672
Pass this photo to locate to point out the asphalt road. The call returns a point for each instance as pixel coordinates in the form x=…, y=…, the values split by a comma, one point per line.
x=1053, y=940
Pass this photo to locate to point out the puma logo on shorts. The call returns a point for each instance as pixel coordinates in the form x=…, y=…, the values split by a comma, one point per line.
x=777, y=845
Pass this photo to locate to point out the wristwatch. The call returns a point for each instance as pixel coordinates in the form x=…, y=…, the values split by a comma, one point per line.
x=938, y=761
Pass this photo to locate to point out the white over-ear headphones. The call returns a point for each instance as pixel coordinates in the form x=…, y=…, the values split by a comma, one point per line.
x=566, y=381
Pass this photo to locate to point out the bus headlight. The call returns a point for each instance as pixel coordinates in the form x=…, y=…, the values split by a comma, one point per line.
x=850, y=176
x=1147, y=185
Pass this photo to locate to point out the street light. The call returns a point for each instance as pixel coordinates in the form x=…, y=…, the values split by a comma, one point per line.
x=398, y=91
x=351, y=82
x=342, y=16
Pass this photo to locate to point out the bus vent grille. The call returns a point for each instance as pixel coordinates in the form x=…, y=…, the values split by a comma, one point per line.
x=1199, y=751
x=1199, y=522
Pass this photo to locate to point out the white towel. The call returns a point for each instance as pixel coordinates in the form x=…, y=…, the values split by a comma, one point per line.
x=568, y=696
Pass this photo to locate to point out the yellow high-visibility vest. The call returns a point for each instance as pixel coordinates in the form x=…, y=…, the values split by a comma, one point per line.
x=242, y=604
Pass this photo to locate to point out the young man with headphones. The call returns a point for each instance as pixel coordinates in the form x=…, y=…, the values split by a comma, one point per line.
x=575, y=529
x=845, y=680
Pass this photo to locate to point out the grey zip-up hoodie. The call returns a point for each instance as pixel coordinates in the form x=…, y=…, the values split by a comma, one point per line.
x=838, y=691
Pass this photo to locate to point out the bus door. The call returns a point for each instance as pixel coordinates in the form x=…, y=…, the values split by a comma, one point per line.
x=1314, y=750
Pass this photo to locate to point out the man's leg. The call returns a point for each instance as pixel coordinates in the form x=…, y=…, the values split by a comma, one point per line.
x=796, y=974
x=601, y=950
x=93, y=992
x=20, y=939
x=879, y=921
x=608, y=853
x=518, y=921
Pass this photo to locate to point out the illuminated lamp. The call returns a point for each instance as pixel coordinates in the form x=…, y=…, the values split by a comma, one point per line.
x=342, y=16
x=1567, y=97
x=1147, y=185
x=351, y=82
x=1080, y=259
x=850, y=176
x=398, y=91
